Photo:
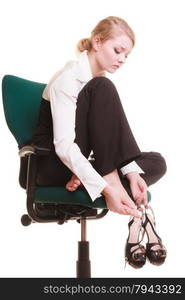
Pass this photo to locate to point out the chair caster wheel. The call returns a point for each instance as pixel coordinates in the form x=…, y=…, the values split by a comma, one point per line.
x=26, y=220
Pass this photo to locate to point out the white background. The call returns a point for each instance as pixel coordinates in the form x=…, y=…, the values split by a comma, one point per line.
x=37, y=38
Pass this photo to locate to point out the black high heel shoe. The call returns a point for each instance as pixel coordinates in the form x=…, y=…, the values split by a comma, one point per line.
x=155, y=255
x=135, y=253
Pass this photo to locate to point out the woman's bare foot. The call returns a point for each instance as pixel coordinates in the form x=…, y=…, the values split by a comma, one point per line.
x=116, y=196
x=73, y=183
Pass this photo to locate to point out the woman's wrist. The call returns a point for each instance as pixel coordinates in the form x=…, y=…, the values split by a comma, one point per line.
x=107, y=190
x=132, y=175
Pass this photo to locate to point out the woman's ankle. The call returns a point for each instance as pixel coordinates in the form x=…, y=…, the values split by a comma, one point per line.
x=112, y=178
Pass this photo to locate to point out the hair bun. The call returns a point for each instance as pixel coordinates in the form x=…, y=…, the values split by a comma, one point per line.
x=84, y=44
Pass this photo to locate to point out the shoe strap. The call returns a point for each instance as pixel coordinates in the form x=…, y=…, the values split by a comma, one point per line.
x=152, y=214
x=135, y=244
x=147, y=220
x=152, y=211
x=142, y=236
x=130, y=222
x=149, y=246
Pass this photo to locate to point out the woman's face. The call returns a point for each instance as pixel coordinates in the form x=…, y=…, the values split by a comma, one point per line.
x=111, y=54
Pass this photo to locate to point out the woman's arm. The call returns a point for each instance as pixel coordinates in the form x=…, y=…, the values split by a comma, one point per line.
x=63, y=109
x=138, y=188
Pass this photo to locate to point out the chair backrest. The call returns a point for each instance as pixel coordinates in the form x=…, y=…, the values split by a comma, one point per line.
x=21, y=101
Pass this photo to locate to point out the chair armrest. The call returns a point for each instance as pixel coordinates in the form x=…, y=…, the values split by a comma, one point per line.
x=26, y=150
x=31, y=149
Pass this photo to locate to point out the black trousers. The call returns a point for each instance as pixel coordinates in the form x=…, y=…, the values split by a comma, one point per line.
x=101, y=127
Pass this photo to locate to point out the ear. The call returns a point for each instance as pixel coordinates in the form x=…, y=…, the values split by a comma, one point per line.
x=96, y=43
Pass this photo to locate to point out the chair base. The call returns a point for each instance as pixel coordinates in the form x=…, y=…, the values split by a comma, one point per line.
x=83, y=264
x=26, y=220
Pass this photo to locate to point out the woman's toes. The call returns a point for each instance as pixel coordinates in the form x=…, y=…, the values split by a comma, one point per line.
x=77, y=182
x=68, y=185
x=73, y=184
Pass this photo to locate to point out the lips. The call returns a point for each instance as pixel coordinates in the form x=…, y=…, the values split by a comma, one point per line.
x=115, y=66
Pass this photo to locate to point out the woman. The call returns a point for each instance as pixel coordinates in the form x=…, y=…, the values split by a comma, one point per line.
x=81, y=115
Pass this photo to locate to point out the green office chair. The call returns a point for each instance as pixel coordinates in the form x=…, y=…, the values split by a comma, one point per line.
x=21, y=100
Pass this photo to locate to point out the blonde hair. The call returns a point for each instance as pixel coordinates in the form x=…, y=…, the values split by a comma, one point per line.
x=106, y=29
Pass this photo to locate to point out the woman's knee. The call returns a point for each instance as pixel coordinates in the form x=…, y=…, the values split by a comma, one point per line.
x=152, y=163
x=159, y=162
x=101, y=80
x=154, y=166
x=99, y=90
x=101, y=85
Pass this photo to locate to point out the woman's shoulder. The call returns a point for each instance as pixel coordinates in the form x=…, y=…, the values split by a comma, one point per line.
x=67, y=70
x=63, y=79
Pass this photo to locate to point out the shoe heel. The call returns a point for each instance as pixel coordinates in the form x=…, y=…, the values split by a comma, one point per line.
x=135, y=253
x=155, y=256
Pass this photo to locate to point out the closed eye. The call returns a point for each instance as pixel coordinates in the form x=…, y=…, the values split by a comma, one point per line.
x=116, y=51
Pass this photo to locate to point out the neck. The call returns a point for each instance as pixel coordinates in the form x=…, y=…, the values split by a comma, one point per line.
x=95, y=68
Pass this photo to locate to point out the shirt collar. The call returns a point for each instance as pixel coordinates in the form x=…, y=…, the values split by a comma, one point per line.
x=83, y=71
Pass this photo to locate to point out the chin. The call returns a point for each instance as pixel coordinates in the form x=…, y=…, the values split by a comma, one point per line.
x=111, y=71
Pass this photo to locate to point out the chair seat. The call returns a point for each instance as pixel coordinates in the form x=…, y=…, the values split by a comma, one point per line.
x=59, y=195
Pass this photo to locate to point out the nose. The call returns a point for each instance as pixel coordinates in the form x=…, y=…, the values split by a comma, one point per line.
x=122, y=59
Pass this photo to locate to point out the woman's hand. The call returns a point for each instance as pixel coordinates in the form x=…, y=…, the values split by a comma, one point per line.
x=138, y=188
x=119, y=201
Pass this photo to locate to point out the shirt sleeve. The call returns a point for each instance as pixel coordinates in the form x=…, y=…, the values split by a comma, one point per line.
x=131, y=167
x=63, y=109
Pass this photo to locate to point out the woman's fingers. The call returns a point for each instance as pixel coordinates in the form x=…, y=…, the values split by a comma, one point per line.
x=139, y=189
x=145, y=200
x=132, y=212
x=129, y=202
x=142, y=199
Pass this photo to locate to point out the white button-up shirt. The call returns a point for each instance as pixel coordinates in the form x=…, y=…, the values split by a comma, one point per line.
x=62, y=92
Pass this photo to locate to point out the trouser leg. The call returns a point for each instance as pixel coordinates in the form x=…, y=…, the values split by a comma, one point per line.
x=154, y=166
x=101, y=126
